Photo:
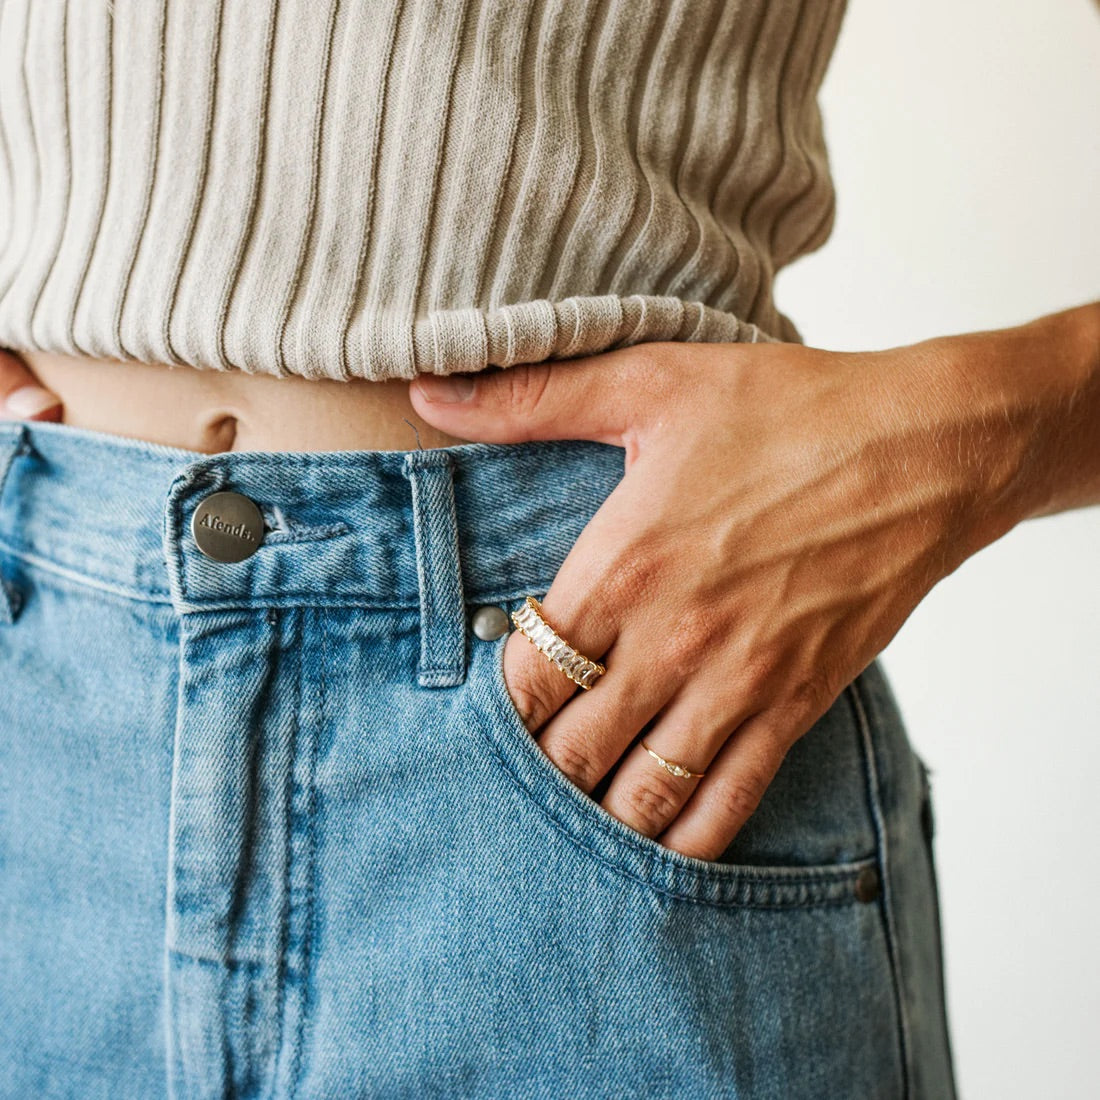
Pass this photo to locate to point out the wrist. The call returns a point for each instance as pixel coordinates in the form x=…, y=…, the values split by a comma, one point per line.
x=999, y=425
x=1064, y=463
x=1011, y=415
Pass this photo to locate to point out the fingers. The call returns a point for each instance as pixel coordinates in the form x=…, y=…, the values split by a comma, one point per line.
x=734, y=748
x=690, y=734
x=735, y=783
x=737, y=734
x=735, y=754
x=587, y=738
x=21, y=397
x=539, y=689
x=584, y=605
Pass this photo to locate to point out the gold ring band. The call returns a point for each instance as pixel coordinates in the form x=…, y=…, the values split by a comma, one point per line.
x=675, y=769
x=580, y=669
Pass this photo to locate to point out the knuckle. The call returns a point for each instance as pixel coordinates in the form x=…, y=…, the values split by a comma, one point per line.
x=525, y=388
x=682, y=652
x=812, y=694
x=775, y=730
x=532, y=701
x=577, y=764
x=741, y=796
x=709, y=622
x=653, y=804
x=759, y=672
x=632, y=575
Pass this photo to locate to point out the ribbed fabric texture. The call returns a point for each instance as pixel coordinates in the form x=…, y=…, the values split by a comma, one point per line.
x=379, y=189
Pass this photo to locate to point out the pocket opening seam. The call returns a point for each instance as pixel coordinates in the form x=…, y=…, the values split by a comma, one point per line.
x=725, y=885
x=748, y=877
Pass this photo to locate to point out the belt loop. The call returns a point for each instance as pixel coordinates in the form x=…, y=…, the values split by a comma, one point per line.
x=438, y=569
x=11, y=598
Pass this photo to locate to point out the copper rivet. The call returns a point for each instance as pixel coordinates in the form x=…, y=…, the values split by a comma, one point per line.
x=867, y=884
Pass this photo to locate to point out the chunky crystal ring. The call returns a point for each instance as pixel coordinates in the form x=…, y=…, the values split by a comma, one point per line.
x=556, y=649
x=669, y=766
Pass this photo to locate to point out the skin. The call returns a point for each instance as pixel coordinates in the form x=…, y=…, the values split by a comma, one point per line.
x=784, y=509
x=212, y=411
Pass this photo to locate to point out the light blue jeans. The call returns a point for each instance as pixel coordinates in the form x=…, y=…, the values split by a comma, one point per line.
x=273, y=828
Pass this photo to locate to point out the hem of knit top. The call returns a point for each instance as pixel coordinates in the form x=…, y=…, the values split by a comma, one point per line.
x=468, y=340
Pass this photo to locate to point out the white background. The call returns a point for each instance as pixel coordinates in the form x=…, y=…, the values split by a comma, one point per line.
x=964, y=138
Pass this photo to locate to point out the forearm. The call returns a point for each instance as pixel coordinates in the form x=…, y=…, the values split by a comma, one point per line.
x=1016, y=413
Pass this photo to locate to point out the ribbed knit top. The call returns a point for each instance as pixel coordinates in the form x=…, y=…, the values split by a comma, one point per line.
x=378, y=189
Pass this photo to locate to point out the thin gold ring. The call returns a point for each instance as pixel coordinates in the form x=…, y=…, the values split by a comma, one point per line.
x=580, y=669
x=675, y=769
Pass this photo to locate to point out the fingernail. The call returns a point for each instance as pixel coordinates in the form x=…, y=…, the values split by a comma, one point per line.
x=446, y=388
x=29, y=401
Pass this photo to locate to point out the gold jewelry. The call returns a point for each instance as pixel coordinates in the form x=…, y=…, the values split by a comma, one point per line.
x=554, y=647
x=675, y=769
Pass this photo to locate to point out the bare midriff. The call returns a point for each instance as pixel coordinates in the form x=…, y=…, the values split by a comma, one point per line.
x=210, y=411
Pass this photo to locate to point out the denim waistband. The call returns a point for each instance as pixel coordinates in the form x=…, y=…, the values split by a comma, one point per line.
x=363, y=528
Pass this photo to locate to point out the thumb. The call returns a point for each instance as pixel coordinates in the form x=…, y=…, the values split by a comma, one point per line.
x=21, y=397
x=568, y=399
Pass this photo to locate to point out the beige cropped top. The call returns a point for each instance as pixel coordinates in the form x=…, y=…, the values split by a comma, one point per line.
x=373, y=190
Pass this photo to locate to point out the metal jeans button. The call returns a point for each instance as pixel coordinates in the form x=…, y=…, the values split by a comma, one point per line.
x=227, y=526
x=490, y=622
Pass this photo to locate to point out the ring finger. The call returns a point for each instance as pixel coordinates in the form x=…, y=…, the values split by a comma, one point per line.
x=647, y=794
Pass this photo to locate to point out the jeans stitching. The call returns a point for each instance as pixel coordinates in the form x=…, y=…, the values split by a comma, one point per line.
x=151, y=595
x=284, y=915
x=855, y=698
x=310, y=919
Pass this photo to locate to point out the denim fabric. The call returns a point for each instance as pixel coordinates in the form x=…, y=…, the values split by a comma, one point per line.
x=275, y=828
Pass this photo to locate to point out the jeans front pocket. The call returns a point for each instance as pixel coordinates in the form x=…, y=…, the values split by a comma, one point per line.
x=798, y=849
